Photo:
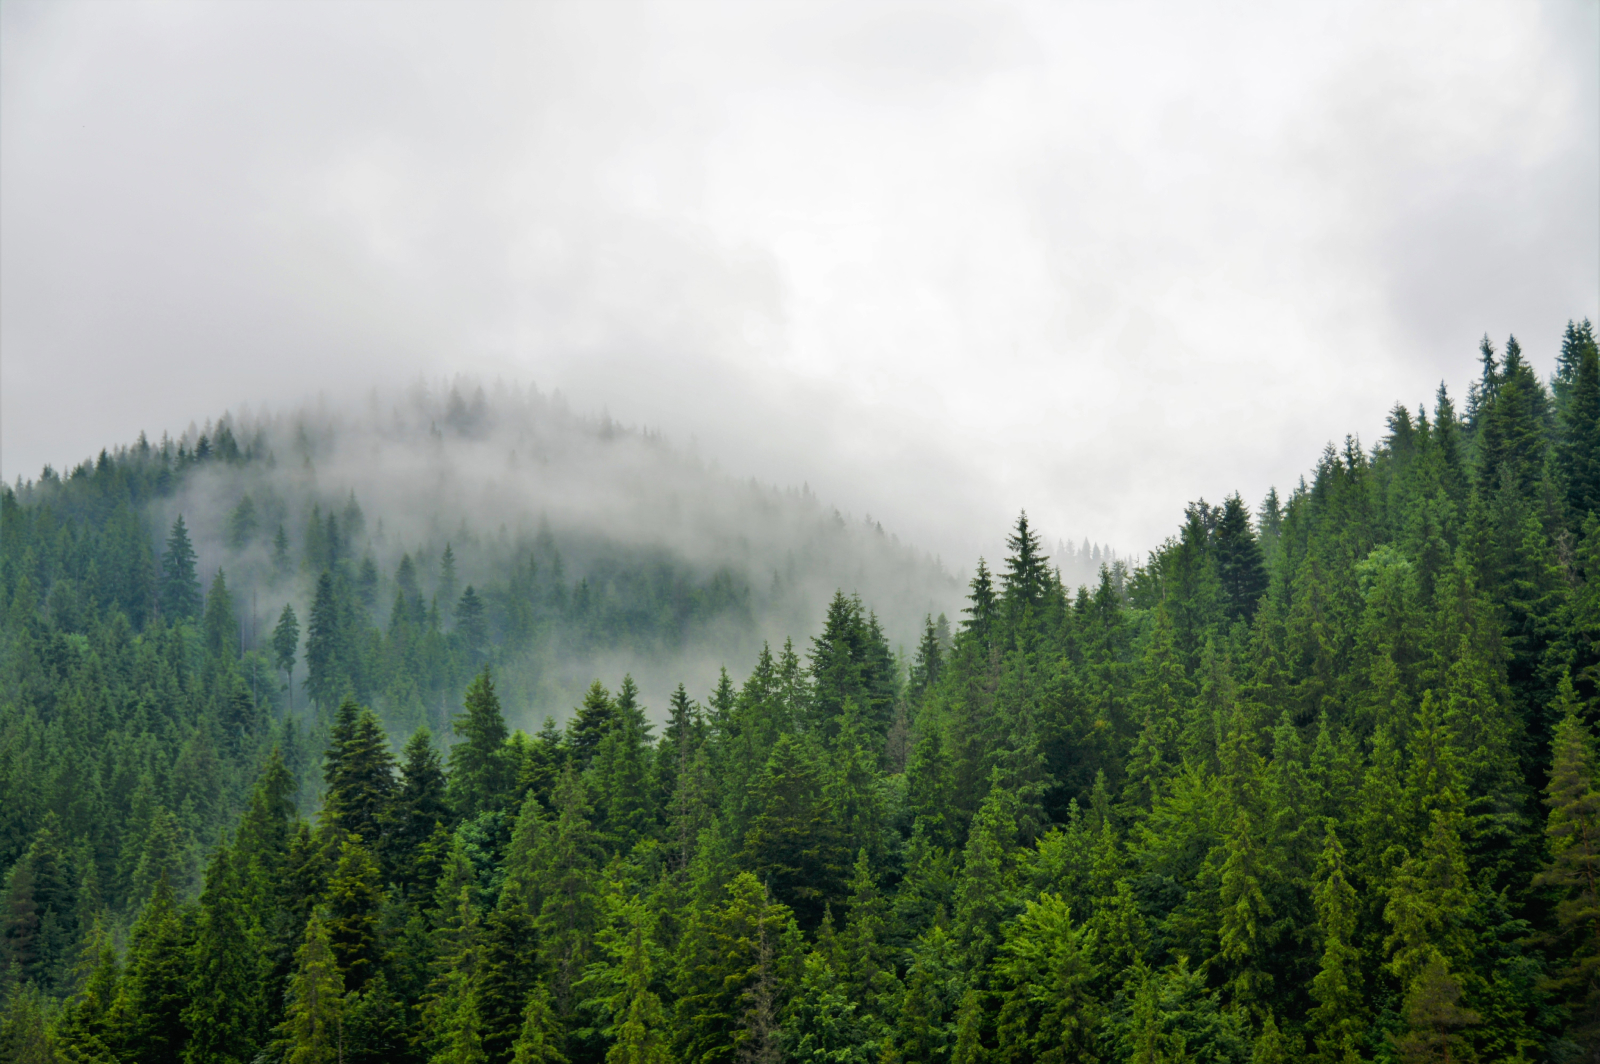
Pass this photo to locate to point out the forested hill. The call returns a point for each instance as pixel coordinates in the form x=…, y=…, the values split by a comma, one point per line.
x=458, y=527
x=1316, y=780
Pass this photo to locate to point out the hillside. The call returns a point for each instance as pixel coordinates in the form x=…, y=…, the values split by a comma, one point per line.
x=1318, y=778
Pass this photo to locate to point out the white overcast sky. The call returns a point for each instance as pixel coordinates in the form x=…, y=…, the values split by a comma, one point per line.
x=941, y=261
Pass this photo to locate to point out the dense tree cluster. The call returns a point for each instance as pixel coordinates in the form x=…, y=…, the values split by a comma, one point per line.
x=1317, y=781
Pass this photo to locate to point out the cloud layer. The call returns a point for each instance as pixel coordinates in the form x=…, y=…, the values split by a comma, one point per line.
x=941, y=261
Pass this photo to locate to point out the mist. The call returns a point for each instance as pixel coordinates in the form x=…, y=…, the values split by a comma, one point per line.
x=512, y=481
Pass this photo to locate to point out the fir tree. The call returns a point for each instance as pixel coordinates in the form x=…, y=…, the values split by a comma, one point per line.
x=1572, y=832
x=312, y=1031
x=285, y=641
x=1337, y=1021
x=180, y=590
x=480, y=772
x=325, y=665
x=1240, y=565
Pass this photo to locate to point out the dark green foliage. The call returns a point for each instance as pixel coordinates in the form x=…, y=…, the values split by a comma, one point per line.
x=359, y=773
x=180, y=589
x=1240, y=567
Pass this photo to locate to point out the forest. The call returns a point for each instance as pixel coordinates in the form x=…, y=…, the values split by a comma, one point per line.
x=1315, y=780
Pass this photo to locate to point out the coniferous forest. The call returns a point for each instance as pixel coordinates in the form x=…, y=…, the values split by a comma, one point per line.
x=1317, y=780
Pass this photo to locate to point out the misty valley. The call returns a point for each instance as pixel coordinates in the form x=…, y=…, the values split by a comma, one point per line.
x=459, y=727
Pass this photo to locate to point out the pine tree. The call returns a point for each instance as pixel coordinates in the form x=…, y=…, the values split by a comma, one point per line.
x=420, y=807
x=792, y=843
x=1433, y=1013
x=540, y=1039
x=1026, y=578
x=180, y=590
x=929, y=661
x=1572, y=832
x=285, y=641
x=359, y=773
x=325, y=664
x=224, y=990
x=280, y=553
x=638, y=1022
x=1048, y=1011
x=564, y=894
x=982, y=605
x=352, y=905
x=481, y=774
x=1337, y=1021
x=313, y=1028
x=147, y=1017
x=220, y=625
x=591, y=722
x=84, y=1031
x=472, y=624
x=983, y=897
x=1240, y=565
x=1578, y=455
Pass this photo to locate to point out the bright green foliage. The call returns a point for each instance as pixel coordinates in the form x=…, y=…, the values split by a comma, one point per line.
x=351, y=902
x=1048, y=1012
x=638, y=1029
x=312, y=1031
x=1338, y=1019
x=731, y=973
x=1573, y=871
x=539, y=1041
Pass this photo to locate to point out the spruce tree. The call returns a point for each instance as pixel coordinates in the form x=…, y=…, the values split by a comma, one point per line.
x=1337, y=1021
x=481, y=774
x=325, y=664
x=1048, y=1011
x=1572, y=875
x=180, y=590
x=285, y=641
x=792, y=843
x=147, y=1018
x=1240, y=565
x=1026, y=578
x=220, y=626
x=359, y=773
x=352, y=905
x=1578, y=455
x=224, y=992
x=312, y=1031
x=591, y=722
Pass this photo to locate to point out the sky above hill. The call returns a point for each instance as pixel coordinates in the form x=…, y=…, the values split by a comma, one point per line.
x=940, y=261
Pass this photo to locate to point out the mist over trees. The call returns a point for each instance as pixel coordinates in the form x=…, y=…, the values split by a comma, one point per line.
x=1316, y=779
x=458, y=526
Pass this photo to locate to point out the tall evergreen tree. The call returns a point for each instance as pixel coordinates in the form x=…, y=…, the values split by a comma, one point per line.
x=285, y=642
x=313, y=1028
x=180, y=589
x=481, y=774
x=1240, y=565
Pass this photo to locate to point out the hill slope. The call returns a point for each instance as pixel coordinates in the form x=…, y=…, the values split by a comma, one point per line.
x=1315, y=781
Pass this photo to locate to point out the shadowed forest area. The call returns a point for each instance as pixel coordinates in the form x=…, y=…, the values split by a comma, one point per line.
x=1317, y=779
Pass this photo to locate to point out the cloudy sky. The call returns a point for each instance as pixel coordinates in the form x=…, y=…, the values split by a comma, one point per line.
x=940, y=261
